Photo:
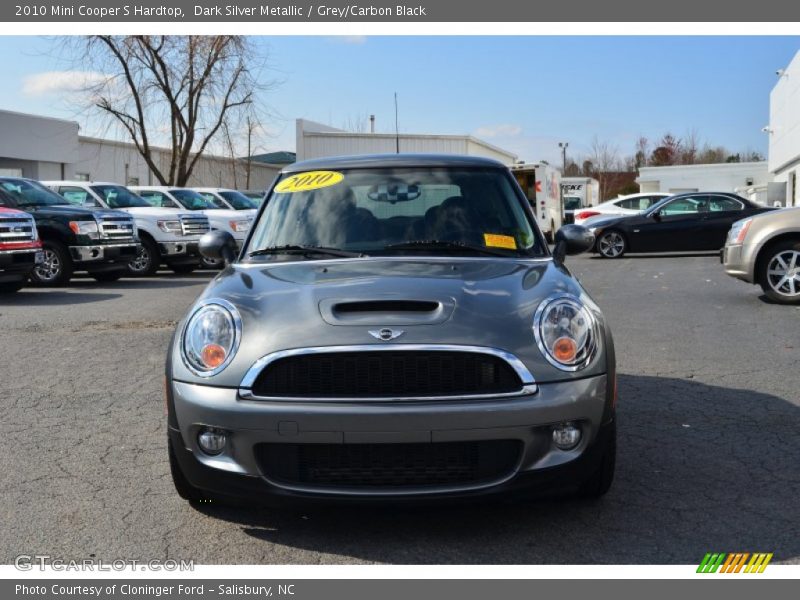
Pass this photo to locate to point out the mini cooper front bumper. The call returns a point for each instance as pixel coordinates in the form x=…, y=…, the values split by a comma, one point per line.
x=349, y=449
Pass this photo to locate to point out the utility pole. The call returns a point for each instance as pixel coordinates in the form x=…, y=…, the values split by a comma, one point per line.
x=563, y=146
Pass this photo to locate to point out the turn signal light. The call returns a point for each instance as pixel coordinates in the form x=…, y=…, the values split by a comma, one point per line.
x=212, y=355
x=565, y=349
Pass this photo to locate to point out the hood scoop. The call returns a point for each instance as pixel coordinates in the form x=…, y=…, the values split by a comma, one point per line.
x=385, y=311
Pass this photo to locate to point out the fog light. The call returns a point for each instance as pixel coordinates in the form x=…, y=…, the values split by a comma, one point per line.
x=566, y=436
x=212, y=441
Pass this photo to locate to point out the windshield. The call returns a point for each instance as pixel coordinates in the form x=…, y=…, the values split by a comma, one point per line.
x=31, y=193
x=238, y=200
x=192, y=200
x=571, y=203
x=395, y=211
x=117, y=196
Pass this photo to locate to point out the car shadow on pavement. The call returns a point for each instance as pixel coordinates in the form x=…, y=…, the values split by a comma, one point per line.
x=708, y=254
x=700, y=468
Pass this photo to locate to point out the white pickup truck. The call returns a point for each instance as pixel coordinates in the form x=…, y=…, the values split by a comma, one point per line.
x=235, y=222
x=228, y=198
x=168, y=235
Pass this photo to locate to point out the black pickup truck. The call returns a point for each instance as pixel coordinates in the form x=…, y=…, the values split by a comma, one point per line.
x=100, y=242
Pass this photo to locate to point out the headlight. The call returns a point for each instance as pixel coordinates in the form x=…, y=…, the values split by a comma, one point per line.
x=170, y=226
x=85, y=228
x=211, y=337
x=566, y=332
x=240, y=226
x=739, y=231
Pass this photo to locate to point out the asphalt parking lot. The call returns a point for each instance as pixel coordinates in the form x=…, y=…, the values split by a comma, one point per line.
x=708, y=453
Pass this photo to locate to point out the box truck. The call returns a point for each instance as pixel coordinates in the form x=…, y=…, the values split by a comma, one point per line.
x=541, y=184
x=577, y=193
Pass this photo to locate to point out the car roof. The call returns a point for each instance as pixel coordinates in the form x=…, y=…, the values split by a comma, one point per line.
x=379, y=161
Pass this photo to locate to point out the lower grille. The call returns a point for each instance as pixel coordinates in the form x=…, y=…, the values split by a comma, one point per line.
x=389, y=466
x=386, y=374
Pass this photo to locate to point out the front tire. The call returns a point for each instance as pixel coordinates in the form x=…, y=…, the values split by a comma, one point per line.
x=185, y=489
x=779, y=272
x=599, y=482
x=611, y=244
x=57, y=268
x=147, y=259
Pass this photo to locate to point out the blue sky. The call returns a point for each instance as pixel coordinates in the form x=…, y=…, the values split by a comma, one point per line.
x=524, y=94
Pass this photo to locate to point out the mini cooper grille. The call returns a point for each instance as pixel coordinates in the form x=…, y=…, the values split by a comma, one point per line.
x=389, y=466
x=386, y=374
x=116, y=228
x=16, y=229
x=192, y=225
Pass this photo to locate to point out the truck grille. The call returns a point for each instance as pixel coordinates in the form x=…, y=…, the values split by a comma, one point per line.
x=389, y=466
x=386, y=374
x=194, y=225
x=16, y=229
x=116, y=228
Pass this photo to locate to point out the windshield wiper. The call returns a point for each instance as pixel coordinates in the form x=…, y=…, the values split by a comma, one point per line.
x=294, y=249
x=447, y=245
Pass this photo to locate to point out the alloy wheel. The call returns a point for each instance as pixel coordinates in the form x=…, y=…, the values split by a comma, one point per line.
x=611, y=244
x=783, y=273
x=141, y=263
x=50, y=269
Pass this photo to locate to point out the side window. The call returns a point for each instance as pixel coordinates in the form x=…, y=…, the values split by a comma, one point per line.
x=721, y=203
x=77, y=196
x=632, y=203
x=684, y=206
x=154, y=198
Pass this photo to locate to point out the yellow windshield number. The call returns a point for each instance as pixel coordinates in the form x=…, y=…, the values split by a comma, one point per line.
x=311, y=180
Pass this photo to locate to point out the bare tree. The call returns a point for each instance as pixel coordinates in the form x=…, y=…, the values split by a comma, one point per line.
x=605, y=161
x=181, y=89
x=357, y=124
x=689, y=147
x=642, y=151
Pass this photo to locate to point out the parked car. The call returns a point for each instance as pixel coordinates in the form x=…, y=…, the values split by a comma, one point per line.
x=230, y=199
x=632, y=204
x=168, y=235
x=693, y=222
x=395, y=327
x=228, y=220
x=20, y=247
x=255, y=196
x=100, y=242
x=765, y=249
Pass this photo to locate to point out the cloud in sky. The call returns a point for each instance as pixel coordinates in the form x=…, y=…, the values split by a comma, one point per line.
x=502, y=130
x=59, y=82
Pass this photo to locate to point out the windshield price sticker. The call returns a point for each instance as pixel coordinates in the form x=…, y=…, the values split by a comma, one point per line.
x=495, y=240
x=311, y=180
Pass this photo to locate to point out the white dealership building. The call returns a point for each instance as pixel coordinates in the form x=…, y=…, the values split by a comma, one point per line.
x=784, y=130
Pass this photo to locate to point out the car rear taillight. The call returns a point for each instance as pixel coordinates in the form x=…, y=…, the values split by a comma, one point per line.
x=586, y=214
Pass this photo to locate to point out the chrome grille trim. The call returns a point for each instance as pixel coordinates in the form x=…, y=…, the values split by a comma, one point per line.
x=116, y=228
x=528, y=382
x=16, y=229
x=194, y=225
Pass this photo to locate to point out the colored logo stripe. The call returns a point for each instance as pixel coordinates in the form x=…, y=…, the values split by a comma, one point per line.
x=734, y=562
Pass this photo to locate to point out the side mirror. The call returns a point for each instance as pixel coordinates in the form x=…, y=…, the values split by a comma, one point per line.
x=218, y=245
x=572, y=239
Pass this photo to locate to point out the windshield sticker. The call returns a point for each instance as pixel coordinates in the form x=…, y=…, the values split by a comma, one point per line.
x=311, y=180
x=495, y=240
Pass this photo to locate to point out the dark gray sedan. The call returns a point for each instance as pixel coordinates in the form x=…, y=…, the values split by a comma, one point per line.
x=394, y=327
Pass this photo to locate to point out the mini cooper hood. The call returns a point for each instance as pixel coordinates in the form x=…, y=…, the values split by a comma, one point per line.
x=471, y=302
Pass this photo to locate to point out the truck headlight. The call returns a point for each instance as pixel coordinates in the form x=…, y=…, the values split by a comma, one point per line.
x=739, y=231
x=211, y=337
x=170, y=226
x=240, y=226
x=88, y=228
x=566, y=332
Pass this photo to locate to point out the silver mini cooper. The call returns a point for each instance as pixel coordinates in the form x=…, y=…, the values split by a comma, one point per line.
x=394, y=327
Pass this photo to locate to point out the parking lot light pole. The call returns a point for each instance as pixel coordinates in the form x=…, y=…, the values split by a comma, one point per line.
x=563, y=146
